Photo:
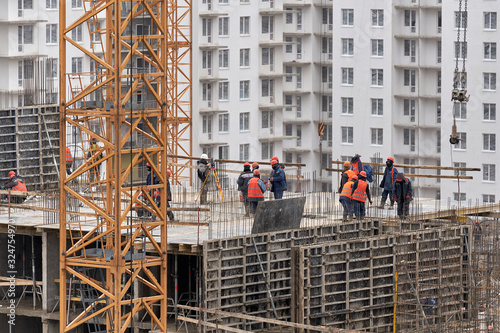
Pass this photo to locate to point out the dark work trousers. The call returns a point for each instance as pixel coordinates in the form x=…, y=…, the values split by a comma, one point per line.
x=359, y=209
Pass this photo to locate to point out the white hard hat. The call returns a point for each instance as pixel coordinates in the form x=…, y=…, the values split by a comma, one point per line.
x=204, y=156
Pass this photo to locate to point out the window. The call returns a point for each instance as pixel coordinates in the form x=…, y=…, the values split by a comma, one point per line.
x=460, y=20
x=410, y=20
x=207, y=124
x=207, y=93
x=328, y=17
x=288, y=157
x=377, y=136
x=288, y=102
x=347, y=75
x=299, y=77
x=223, y=58
x=76, y=64
x=299, y=18
x=409, y=107
x=223, y=153
x=409, y=79
x=94, y=30
x=244, y=89
x=267, y=150
x=462, y=143
x=299, y=48
x=490, y=20
x=51, y=4
x=223, y=91
x=244, y=121
x=298, y=107
x=438, y=83
x=289, y=45
x=438, y=112
x=348, y=17
x=489, y=142
x=347, y=134
x=410, y=49
x=409, y=138
x=490, y=81
x=206, y=28
x=326, y=75
x=24, y=35
x=463, y=196
x=438, y=142
x=461, y=50
x=377, y=106
x=377, y=17
x=223, y=2
x=245, y=2
x=347, y=46
x=347, y=105
x=223, y=26
x=224, y=123
x=489, y=111
x=490, y=51
x=288, y=129
x=488, y=198
x=288, y=16
x=206, y=59
x=267, y=119
x=245, y=152
x=76, y=33
x=439, y=52
x=460, y=110
x=489, y=172
x=244, y=57
x=439, y=21
x=267, y=88
x=409, y=161
x=51, y=34
x=299, y=135
x=288, y=72
x=327, y=136
x=76, y=3
x=377, y=47
x=377, y=77
x=245, y=25
x=460, y=172
x=327, y=105
x=267, y=24
x=327, y=46
x=267, y=56
x=51, y=67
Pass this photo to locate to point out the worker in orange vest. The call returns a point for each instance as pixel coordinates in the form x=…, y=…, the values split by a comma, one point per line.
x=356, y=164
x=359, y=193
x=256, y=190
x=69, y=161
x=346, y=175
x=15, y=183
x=345, y=198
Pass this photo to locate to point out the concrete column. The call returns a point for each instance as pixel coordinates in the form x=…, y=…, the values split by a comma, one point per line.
x=50, y=269
x=50, y=326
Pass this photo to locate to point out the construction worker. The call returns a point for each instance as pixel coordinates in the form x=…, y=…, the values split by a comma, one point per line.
x=360, y=191
x=15, y=183
x=95, y=156
x=346, y=175
x=255, y=166
x=387, y=183
x=69, y=161
x=256, y=190
x=138, y=208
x=152, y=179
x=346, y=198
x=170, y=214
x=356, y=164
x=242, y=182
x=403, y=194
x=282, y=166
x=203, y=172
x=277, y=179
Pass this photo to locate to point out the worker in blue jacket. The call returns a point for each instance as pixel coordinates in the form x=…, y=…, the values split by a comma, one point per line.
x=277, y=179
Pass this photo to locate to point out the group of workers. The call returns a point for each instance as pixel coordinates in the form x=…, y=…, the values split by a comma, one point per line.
x=355, y=191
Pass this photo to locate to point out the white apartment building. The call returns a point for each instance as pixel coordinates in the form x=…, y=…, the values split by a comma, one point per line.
x=387, y=84
x=476, y=120
x=264, y=73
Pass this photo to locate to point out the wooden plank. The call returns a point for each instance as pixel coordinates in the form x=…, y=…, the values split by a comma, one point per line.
x=432, y=167
x=414, y=175
x=238, y=161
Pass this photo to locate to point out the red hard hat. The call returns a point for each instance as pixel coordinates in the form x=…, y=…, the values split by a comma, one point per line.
x=12, y=174
x=273, y=162
x=169, y=173
x=390, y=158
x=355, y=177
x=256, y=172
x=246, y=164
x=362, y=174
x=275, y=158
x=255, y=164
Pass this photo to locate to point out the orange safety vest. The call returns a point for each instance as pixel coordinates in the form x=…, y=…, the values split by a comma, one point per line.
x=347, y=189
x=349, y=174
x=69, y=157
x=360, y=192
x=355, y=167
x=254, y=190
x=20, y=186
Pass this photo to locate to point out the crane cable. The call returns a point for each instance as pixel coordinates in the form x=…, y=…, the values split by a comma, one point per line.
x=460, y=76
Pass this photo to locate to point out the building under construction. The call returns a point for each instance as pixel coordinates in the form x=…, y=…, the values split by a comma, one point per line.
x=93, y=248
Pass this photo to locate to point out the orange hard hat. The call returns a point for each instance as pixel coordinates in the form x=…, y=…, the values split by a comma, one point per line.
x=273, y=162
x=255, y=164
x=362, y=174
x=148, y=165
x=169, y=173
x=390, y=158
x=256, y=172
x=275, y=158
x=347, y=164
x=12, y=174
x=246, y=164
x=355, y=177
